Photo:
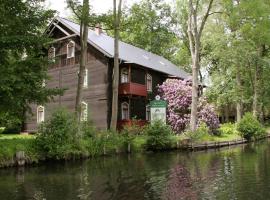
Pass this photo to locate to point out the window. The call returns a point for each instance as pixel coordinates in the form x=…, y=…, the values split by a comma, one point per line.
x=125, y=110
x=70, y=49
x=40, y=114
x=124, y=75
x=85, y=79
x=51, y=54
x=149, y=82
x=84, y=111
x=148, y=114
x=43, y=83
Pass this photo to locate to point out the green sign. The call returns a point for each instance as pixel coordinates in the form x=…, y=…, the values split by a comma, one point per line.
x=158, y=110
x=158, y=104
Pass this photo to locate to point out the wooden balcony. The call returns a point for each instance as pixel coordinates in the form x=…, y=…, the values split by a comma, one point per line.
x=132, y=89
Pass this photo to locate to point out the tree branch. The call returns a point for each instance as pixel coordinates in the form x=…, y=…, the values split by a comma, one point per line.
x=205, y=17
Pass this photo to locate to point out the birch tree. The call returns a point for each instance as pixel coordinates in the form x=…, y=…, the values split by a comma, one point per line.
x=195, y=29
x=117, y=18
x=82, y=13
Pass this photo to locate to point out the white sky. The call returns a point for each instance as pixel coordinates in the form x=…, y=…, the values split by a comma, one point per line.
x=99, y=6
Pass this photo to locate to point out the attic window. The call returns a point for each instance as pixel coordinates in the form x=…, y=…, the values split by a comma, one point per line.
x=51, y=53
x=146, y=57
x=71, y=49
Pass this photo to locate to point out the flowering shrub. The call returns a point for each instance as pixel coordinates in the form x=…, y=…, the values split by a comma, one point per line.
x=178, y=94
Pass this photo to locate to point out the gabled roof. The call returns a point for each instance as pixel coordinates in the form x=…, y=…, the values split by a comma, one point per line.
x=127, y=52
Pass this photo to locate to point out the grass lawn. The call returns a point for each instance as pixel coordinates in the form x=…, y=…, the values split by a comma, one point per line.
x=213, y=138
x=15, y=136
x=11, y=143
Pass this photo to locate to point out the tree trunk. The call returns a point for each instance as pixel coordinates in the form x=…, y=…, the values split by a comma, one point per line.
x=239, y=104
x=258, y=82
x=83, y=58
x=117, y=17
x=195, y=83
x=255, y=92
x=226, y=111
x=194, y=36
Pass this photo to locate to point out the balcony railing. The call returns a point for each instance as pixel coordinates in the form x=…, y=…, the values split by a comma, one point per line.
x=132, y=89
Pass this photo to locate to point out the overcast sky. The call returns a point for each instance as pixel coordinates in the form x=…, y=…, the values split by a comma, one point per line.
x=99, y=6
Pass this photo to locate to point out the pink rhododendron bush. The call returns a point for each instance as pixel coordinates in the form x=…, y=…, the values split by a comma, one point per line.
x=178, y=95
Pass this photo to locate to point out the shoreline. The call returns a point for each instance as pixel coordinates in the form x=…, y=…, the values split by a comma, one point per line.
x=21, y=159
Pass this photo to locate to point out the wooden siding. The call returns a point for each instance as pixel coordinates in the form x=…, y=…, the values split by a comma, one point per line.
x=64, y=74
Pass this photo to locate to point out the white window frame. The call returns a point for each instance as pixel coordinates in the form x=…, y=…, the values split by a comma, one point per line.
x=43, y=83
x=124, y=105
x=72, y=54
x=148, y=113
x=84, y=113
x=124, y=75
x=149, y=87
x=51, y=56
x=85, y=79
x=40, y=118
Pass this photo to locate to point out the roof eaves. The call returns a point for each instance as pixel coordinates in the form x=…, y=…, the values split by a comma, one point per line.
x=89, y=41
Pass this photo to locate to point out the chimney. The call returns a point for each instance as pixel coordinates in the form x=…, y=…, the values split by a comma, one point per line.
x=98, y=29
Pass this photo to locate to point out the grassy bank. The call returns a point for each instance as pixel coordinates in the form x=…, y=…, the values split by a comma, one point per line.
x=10, y=144
x=59, y=139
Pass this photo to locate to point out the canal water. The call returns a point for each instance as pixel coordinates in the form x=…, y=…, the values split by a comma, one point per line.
x=241, y=172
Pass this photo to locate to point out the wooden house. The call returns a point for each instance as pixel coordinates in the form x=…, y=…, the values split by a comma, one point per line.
x=140, y=73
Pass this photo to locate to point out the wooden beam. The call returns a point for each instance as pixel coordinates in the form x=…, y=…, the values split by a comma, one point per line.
x=60, y=28
x=63, y=38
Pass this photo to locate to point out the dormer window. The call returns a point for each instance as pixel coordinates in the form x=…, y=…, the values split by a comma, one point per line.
x=125, y=111
x=71, y=49
x=51, y=54
x=124, y=75
x=149, y=82
x=40, y=114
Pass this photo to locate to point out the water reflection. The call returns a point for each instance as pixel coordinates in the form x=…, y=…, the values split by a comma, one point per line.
x=233, y=173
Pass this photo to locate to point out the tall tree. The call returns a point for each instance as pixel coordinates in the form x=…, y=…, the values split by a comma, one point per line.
x=23, y=65
x=195, y=30
x=117, y=19
x=83, y=59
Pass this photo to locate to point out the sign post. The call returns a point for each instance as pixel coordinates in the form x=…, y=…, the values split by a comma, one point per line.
x=158, y=110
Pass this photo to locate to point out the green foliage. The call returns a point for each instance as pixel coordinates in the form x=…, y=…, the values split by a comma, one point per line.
x=250, y=127
x=159, y=136
x=58, y=136
x=10, y=144
x=23, y=65
x=2, y=129
x=228, y=129
x=201, y=133
x=129, y=132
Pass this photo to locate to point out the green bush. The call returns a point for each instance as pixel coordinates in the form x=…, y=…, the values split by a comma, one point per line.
x=159, y=136
x=57, y=137
x=228, y=129
x=250, y=127
x=200, y=134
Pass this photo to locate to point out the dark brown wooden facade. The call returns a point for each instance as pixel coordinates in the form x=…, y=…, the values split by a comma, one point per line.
x=64, y=74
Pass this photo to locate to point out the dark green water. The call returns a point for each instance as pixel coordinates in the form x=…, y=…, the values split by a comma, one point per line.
x=241, y=172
